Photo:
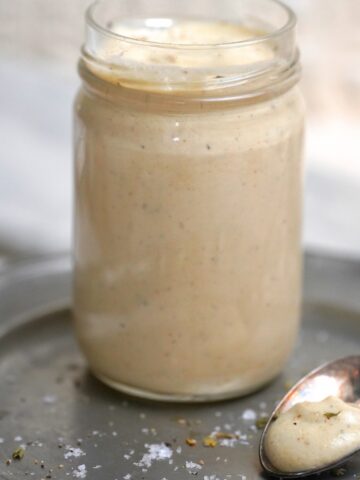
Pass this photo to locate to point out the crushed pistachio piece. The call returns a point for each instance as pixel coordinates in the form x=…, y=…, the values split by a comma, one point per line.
x=225, y=435
x=18, y=454
x=191, y=442
x=209, y=442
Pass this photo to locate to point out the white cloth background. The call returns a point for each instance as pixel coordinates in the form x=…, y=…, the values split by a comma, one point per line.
x=39, y=41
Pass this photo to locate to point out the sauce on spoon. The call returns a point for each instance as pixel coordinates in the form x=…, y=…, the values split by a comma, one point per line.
x=313, y=434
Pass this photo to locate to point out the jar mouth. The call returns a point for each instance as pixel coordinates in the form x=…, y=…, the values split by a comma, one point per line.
x=104, y=29
x=173, y=46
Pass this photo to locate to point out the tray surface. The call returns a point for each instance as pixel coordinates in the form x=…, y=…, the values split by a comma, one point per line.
x=72, y=426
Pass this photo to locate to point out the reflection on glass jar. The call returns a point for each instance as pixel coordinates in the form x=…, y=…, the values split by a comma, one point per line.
x=188, y=143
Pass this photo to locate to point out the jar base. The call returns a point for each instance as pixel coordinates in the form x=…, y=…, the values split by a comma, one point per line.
x=176, y=397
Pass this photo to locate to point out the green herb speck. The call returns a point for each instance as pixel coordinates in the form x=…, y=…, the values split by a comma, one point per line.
x=329, y=415
x=261, y=422
x=338, y=472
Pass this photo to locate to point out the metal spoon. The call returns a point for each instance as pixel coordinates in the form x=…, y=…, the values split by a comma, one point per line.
x=340, y=378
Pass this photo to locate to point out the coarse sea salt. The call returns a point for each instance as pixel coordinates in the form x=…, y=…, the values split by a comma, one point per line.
x=36, y=443
x=156, y=452
x=80, y=472
x=49, y=399
x=249, y=414
x=73, y=452
x=228, y=442
x=191, y=466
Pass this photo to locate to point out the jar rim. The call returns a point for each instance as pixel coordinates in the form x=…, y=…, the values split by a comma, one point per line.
x=267, y=56
x=289, y=25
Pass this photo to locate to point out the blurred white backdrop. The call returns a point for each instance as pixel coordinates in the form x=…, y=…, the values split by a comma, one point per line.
x=39, y=43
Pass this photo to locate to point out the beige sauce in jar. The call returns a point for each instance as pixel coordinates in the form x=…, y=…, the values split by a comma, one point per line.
x=187, y=233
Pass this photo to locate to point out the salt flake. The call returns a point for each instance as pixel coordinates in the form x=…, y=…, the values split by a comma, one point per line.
x=249, y=414
x=80, y=472
x=156, y=451
x=73, y=452
x=191, y=466
x=49, y=399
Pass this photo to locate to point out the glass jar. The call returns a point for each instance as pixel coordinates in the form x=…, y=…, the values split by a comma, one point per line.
x=188, y=145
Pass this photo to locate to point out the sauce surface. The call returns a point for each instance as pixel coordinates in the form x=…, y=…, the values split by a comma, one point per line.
x=185, y=32
x=170, y=60
x=313, y=434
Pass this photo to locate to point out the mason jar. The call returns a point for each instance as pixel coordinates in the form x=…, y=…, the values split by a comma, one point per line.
x=188, y=145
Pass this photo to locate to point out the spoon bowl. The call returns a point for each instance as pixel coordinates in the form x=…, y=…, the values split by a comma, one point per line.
x=339, y=378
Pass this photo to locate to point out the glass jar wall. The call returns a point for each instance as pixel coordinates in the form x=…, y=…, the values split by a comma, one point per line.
x=188, y=145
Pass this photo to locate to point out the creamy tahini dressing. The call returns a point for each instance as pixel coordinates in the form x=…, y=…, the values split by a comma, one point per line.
x=313, y=434
x=188, y=221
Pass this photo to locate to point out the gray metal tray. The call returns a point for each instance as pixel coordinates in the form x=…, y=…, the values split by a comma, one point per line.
x=71, y=426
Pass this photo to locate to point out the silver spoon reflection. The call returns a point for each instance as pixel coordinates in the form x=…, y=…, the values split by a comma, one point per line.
x=340, y=378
